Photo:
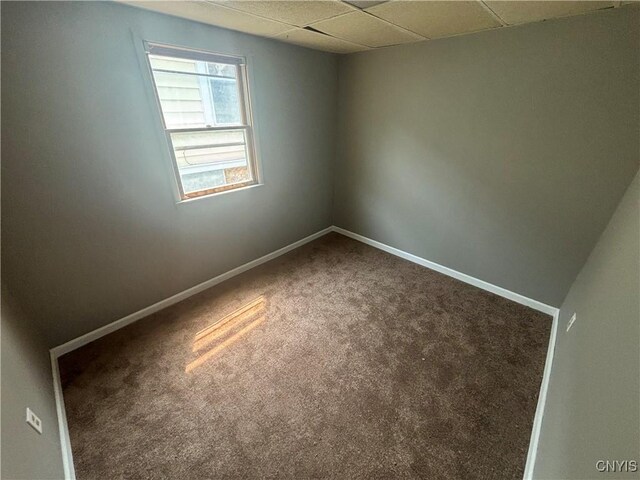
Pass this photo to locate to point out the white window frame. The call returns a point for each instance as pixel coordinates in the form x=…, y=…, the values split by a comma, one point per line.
x=240, y=64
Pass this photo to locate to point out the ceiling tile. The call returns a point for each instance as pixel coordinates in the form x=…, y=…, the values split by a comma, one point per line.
x=365, y=29
x=515, y=12
x=212, y=14
x=319, y=41
x=296, y=12
x=437, y=18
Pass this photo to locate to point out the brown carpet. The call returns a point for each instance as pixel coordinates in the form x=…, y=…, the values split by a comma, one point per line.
x=339, y=361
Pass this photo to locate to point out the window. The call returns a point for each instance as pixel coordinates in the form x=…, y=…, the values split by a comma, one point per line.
x=205, y=109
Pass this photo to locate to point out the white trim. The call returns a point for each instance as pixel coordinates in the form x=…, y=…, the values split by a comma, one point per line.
x=503, y=292
x=516, y=297
x=542, y=400
x=178, y=297
x=65, y=443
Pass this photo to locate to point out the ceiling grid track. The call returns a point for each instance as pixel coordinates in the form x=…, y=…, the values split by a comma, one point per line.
x=494, y=14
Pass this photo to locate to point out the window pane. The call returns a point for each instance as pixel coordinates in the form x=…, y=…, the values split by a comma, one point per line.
x=225, y=99
x=195, y=94
x=211, y=159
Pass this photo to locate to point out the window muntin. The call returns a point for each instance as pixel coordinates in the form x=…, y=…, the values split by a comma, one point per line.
x=204, y=103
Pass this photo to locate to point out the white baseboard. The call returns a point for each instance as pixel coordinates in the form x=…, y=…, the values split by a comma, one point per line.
x=118, y=324
x=178, y=297
x=65, y=442
x=503, y=292
x=516, y=297
x=542, y=400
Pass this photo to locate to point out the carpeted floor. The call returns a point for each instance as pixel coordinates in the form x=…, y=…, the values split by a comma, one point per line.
x=336, y=360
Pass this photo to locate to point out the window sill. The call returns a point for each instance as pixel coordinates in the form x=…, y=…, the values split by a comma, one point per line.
x=211, y=195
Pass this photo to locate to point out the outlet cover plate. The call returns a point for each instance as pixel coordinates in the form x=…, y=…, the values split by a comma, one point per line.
x=34, y=421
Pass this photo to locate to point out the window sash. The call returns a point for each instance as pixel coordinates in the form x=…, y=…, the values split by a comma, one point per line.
x=249, y=149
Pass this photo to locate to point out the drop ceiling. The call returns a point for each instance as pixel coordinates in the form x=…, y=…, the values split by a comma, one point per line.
x=357, y=25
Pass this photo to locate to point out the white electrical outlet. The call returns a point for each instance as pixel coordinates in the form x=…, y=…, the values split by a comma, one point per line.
x=34, y=421
x=571, y=321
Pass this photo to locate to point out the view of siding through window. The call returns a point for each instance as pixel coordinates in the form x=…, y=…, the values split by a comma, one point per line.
x=196, y=95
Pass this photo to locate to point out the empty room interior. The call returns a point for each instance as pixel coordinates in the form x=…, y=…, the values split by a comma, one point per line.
x=320, y=239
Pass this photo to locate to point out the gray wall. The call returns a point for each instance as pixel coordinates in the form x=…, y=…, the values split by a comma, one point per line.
x=593, y=403
x=26, y=382
x=91, y=230
x=501, y=154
